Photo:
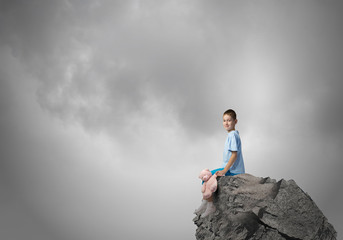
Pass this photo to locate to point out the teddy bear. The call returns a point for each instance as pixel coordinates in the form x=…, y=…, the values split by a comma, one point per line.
x=210, y=183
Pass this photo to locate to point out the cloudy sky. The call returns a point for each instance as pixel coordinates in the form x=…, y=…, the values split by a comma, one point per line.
x=109, y=109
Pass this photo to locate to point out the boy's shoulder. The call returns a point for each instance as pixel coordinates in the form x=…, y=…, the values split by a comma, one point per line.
x=233, y=136
x=234, y=133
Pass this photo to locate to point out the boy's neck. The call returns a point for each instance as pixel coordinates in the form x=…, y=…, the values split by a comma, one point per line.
x=231, y=130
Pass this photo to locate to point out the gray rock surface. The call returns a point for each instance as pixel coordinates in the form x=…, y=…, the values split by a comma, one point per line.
x=250, y=207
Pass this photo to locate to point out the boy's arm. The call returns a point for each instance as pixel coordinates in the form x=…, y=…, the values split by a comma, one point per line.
x=229, y=164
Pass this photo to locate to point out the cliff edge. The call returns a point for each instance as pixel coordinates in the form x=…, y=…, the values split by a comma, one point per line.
x=250, y=207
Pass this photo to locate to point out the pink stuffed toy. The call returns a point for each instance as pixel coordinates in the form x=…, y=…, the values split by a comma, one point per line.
x=210, y=183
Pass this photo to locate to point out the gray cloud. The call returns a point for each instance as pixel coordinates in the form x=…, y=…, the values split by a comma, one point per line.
x=150, y=51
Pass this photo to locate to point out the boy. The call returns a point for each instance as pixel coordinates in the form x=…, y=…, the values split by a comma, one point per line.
x=232, y=158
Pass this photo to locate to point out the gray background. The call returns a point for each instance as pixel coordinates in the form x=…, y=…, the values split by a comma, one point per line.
x=109, y=109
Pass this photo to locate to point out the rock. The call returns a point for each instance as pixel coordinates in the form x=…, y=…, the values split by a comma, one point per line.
x=250, y=207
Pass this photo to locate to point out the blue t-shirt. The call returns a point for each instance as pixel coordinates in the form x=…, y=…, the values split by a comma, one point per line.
x=233, y=143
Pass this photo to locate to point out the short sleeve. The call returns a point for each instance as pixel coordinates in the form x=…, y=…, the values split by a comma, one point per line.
x=233, y=143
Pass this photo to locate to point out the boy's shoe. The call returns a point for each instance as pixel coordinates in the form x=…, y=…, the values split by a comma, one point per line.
x=202, y=207
x=210, y=209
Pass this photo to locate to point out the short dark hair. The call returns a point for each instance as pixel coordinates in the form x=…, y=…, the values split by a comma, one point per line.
x=231, y=113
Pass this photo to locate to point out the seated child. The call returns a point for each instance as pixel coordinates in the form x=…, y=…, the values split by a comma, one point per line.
x=232, y=159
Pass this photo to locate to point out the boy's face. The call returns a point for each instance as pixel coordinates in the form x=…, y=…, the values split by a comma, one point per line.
x=229, y=123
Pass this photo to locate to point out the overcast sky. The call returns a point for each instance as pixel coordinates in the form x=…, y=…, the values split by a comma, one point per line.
x=110, y=109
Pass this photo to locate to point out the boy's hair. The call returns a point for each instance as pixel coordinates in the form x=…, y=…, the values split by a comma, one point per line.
x=231, y=113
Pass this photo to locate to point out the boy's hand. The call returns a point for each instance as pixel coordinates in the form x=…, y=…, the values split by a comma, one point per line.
x=221, y=173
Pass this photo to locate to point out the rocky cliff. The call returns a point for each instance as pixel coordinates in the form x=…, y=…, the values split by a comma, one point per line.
x=250, y=207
